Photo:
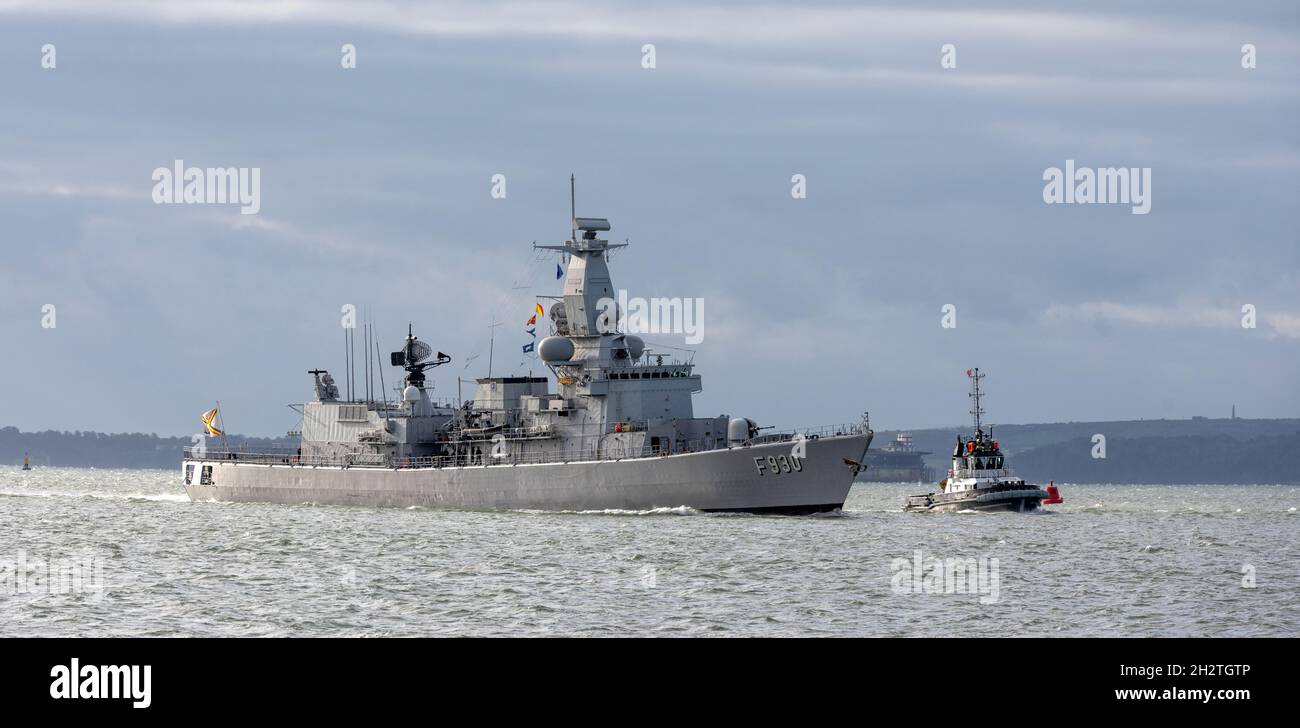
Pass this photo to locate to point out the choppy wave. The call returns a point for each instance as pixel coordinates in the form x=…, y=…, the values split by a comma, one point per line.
x=155, y=497
x=175, y=568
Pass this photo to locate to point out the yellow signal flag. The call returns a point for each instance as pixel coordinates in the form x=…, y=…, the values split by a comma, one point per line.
x=209, y=421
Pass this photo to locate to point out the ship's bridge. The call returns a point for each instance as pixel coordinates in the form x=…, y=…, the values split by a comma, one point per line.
x=651, y=371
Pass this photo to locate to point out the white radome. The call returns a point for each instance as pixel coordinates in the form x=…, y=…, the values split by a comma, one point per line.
x=635, y=346
x=555, y=348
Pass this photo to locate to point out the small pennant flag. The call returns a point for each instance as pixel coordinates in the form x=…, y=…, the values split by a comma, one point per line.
x=559, y=272
x=209, y=421
x=970, y=372
x=531, y=332
x=532, y=321
x=540, y=312
x=530, y=346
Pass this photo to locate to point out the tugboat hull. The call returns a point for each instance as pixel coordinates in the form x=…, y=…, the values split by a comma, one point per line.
x=1019, y=500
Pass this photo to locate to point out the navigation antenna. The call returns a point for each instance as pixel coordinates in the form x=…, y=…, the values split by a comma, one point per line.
x=492, y=342
x=978, y=411
x=573, y=212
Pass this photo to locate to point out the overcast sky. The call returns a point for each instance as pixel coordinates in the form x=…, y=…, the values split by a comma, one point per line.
x=924, y=188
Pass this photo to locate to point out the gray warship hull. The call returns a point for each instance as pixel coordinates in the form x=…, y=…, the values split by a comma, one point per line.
x=762, y=478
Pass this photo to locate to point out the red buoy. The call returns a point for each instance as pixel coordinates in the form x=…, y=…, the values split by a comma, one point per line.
x=1053, y=494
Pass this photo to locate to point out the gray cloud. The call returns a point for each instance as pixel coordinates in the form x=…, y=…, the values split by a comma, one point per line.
x=924, y=189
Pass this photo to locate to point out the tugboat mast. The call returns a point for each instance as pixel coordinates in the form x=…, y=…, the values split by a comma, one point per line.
x=977, y=411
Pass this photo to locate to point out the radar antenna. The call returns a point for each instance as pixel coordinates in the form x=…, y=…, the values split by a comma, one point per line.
x=412, y=358
x=589, y=226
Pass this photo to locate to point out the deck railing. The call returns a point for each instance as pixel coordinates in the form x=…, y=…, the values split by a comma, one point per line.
x=282, y=456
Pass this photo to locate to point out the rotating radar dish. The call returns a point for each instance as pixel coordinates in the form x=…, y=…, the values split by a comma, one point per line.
x=417, y=350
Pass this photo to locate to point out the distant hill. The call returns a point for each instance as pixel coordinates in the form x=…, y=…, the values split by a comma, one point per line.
x=1199, y=450
x=95, y=449
x=1189, y=459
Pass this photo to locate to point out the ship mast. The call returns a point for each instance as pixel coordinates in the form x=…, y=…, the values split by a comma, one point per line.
x=977, y=411
x=587, y=282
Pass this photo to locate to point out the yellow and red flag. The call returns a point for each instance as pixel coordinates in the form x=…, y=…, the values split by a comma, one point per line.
x=209, y=421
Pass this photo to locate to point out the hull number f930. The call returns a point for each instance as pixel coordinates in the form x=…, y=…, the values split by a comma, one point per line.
x=778, y=464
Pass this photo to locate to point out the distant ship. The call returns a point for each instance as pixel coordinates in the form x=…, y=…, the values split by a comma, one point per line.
x=979, y=479
x=27, y=465
x=619, y=433
x=898, y=462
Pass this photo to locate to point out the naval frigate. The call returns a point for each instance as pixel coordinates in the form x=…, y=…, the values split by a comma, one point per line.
x=619, y=432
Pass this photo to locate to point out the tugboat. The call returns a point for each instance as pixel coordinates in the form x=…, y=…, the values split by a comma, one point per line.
x=979, y=479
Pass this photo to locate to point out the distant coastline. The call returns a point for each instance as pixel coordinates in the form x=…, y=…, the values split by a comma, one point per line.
x=1198, y=450
x=102, y=450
